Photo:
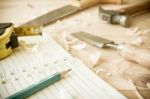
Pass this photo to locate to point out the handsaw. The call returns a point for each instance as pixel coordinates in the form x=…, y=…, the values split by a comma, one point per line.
x=67, y=10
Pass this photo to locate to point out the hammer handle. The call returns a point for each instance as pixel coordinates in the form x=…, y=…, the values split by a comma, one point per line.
x=111, y=1
x=134, y=8
x=87, y=3
x=135, y=54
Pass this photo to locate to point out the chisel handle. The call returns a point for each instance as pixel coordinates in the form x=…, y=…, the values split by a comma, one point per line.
x=135, y=54
x=87, y=3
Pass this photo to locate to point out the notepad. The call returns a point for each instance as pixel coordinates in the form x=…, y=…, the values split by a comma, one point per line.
x=41, y=57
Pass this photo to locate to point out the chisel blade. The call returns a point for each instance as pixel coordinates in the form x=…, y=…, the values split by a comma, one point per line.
x=92, y=39
x=52, y=16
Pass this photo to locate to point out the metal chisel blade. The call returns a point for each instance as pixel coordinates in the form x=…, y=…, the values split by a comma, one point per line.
x=92, y=39
x=53, y=16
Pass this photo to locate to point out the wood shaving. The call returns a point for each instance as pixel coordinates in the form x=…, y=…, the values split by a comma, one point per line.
x=94, y=58
x=148, y=85
x=141, y=37
x=29, y=46
x=133, y=30
x=99, y=71
x=138, y=41
x=79, y=46
x=109, y=74
x=68, y=40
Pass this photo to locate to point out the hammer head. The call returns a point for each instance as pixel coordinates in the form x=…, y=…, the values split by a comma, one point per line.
x=114, y=17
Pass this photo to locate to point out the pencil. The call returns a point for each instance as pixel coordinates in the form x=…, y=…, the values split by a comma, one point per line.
x=39, y=85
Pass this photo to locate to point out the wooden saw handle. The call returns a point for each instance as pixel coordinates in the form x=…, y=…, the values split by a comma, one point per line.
x=87, y=3
x=135, y=54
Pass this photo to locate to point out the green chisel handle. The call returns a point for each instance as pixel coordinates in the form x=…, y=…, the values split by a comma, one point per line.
x=36, y=87
x=87, y=3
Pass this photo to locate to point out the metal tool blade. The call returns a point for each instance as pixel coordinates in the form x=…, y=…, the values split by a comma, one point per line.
x=94, y=40
x=53, y=16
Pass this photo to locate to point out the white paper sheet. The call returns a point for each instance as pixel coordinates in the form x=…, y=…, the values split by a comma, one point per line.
x=25, y=67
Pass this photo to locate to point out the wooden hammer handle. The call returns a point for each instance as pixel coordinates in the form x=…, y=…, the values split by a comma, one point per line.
x=135, y=54
x=111, y=1
x=134, y=8
x=87, y=3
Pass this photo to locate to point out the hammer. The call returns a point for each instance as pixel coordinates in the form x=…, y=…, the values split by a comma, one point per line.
x=123, y=15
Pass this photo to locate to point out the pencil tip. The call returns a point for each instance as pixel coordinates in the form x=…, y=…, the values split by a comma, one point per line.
x=65, y=72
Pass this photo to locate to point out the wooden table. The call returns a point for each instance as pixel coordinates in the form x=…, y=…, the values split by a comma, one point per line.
x=20, y=11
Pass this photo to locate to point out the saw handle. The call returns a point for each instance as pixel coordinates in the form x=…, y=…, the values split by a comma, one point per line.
x=87, y=3
x=135, y=54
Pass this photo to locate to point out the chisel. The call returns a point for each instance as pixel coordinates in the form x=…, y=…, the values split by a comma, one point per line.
x=127, y=51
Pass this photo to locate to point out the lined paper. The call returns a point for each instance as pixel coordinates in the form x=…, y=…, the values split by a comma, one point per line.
x=26, y=66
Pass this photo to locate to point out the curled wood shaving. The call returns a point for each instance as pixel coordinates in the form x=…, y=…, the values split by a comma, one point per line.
x=29, y=46
x=95, y=57
x=79, y=46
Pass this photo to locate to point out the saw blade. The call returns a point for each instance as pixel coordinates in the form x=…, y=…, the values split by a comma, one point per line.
x=53, y=16
x=92, y=39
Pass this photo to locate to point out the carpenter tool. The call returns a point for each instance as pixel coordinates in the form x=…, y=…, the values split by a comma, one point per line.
x=76, y=6
x=123, y=15
x=38, y=86
x=129, y=52
x=9, y=36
